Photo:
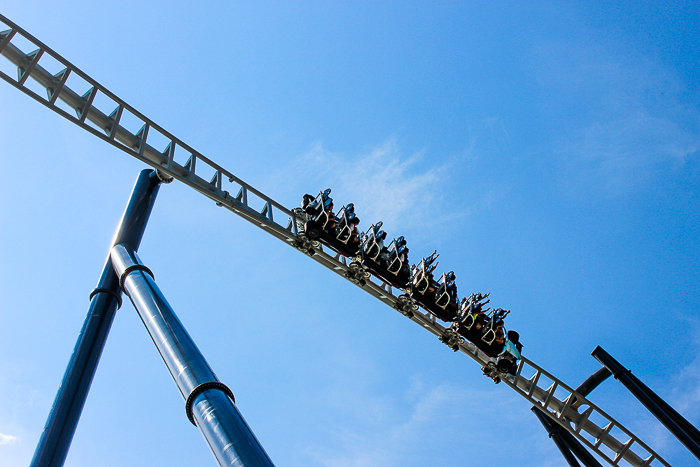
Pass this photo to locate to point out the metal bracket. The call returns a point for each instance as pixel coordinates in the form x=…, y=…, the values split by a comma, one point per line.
x=200, y=389
x=132, y=268
x=357, y=273
x=406, y=305
x=107, y=291
x=304, y=244
x=451, y=339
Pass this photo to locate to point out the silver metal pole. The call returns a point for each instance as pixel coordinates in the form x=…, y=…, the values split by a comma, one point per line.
x=55, y=440
x=209, y=403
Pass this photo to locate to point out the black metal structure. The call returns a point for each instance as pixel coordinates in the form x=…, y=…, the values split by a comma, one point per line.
x=209, y=403
x=593, y=381
x=667, y=415
x=63, y=418
x=567, y=444
x=555, y=433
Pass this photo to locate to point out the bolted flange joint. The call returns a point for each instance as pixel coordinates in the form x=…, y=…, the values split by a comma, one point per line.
x=200, y=389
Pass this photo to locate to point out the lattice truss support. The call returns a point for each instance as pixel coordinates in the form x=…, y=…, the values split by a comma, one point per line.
x=103, y=114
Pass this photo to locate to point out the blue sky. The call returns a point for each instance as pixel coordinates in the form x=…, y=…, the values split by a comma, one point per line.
x=548, y=151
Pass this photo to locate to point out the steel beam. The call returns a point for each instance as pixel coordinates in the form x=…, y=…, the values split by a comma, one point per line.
x=593, y=381
x=686, y=433
x=105, y=299
x=555, y=435
x=567, y=444
x=209, y=403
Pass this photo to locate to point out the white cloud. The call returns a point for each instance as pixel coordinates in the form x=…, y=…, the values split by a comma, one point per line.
x=382, y=182
x=8, y=439
x=428, y=421
x=617, y=117
x=685, y=386
x=390, y=441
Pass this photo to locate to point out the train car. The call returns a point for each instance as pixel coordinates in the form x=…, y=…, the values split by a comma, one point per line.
x=486, y=330
x=438, y=297
x=469, y=319
x=338, y=232
x=389, y=263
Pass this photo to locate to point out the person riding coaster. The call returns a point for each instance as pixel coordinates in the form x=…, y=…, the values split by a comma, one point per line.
x=373, y=243
x=494, y=329
x=389, y=263
x=315, y=205
x=486, y=330
x=320, y=209
x=481, y=326
x=398, y=258
x=507, y=360
x=438, y=297
x=446, y=294
x=337, y=232
x=422, y=275
x=470, y=317
x=346, y=230
x=471, y=311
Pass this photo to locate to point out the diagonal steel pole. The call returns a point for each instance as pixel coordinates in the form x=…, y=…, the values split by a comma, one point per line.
x=674, y=422
x=567, y=444
x=555, y=434
x=55, y=440
x=209, y=403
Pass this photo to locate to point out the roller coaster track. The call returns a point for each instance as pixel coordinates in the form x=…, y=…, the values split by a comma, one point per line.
x=583, y=419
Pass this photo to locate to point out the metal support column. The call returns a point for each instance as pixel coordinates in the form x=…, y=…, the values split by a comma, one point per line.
x=209, y=403
x=105, y=299
x=593, y=381
x=672, y=420
x=567, y=444
x=554, y=433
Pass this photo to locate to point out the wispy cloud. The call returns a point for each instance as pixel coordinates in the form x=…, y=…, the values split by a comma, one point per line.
x=680, y=391
x=382, y=182
x=8, y=439
x=613, y=130
x=685, y=387
x=390, y=442
x=429, y=420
